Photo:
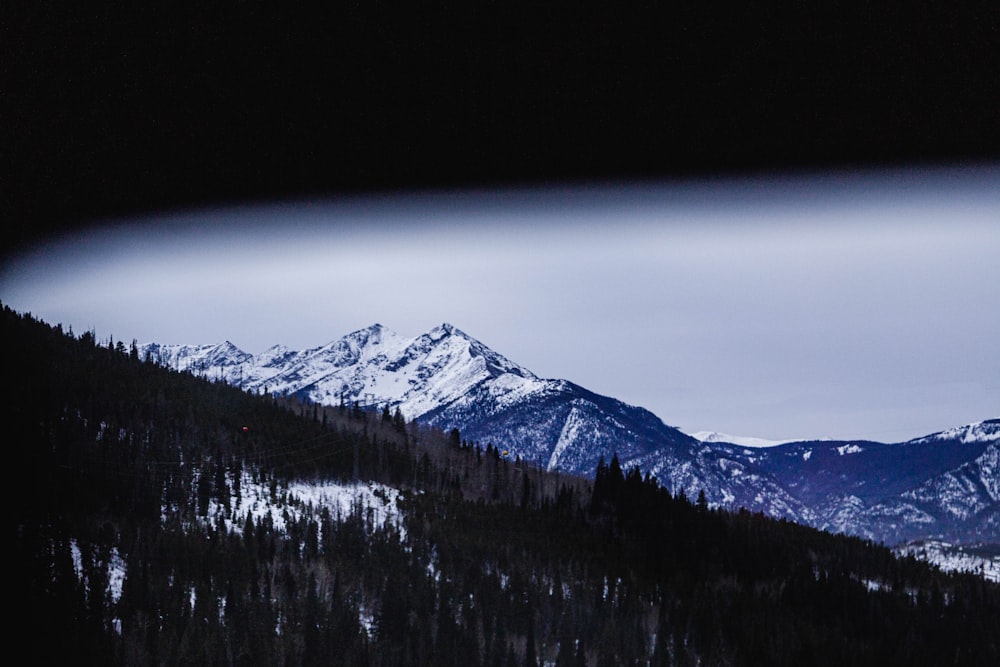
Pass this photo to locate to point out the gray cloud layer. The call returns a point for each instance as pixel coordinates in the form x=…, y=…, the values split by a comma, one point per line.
x=850, y=306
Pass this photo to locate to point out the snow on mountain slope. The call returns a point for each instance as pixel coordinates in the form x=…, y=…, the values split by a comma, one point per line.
x=984, y=431
x=557, y=424
x=727, y=481
x=968, y=490
x=958, y=505
x=449, y=379
x=944, y=485
x=372, y=366
x=223, y=360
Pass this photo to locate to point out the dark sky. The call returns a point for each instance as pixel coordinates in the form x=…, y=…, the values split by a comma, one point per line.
x=115, y=108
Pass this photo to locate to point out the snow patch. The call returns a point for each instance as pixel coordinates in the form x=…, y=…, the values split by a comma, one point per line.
x=739, y=440
x=278, y=504
x=379, y=503
x=983, y=560
x=572, y=427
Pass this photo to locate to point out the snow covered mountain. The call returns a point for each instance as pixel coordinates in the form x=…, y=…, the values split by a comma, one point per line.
x=444, y=378
x=373, y=366
x=942, y=486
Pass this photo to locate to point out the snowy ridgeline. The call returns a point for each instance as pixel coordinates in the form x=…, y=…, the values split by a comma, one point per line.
x=975, y=559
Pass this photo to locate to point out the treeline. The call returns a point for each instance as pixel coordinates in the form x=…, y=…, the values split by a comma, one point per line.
x=136, y=471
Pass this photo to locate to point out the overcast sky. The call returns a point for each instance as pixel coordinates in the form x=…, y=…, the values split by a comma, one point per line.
x=851, y=306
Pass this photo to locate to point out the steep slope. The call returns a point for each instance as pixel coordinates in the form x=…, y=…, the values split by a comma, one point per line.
x=958, y=505
x=558, y=425
x=372, y=366
x=726, y=480
x=445, y=378
x=223, y=360
x=943, y=485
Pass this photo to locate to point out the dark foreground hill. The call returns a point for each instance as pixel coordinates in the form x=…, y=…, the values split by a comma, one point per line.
x=163, y=519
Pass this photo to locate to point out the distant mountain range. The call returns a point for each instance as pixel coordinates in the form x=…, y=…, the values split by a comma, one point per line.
x=944, y=486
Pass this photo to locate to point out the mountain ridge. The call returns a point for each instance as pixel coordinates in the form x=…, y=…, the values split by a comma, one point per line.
x=449, y=379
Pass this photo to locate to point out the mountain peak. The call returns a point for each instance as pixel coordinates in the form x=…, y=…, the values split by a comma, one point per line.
x=375, y=332
x=376, y=329
x=446, y=329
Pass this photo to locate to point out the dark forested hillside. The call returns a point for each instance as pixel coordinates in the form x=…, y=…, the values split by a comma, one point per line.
x=163, y=519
